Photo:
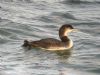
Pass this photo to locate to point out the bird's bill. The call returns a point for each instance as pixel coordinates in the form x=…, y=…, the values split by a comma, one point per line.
x=75, y=30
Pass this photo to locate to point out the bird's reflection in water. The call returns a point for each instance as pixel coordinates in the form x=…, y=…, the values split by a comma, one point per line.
x=64, y=54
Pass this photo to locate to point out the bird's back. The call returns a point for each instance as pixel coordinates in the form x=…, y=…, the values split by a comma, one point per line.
x=49, y=43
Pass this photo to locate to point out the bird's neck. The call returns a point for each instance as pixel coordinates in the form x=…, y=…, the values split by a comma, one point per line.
x=64, y=39
x=64, y=36
x=67, y=41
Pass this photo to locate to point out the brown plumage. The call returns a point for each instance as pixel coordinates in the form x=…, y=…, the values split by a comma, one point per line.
x=51, y=43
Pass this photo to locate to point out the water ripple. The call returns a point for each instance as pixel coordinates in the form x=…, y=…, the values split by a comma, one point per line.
x=34, y=20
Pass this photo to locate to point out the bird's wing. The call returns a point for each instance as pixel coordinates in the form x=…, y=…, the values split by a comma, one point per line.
x=46, y=43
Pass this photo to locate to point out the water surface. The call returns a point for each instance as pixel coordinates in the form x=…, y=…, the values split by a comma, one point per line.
x=34, y=20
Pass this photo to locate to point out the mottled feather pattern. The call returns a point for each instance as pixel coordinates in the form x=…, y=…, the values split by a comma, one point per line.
x=47, y=43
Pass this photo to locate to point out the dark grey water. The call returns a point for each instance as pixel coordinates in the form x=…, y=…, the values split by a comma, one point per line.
x=36, y=19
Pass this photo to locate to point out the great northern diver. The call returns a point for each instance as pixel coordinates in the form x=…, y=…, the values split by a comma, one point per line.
x=54, y=44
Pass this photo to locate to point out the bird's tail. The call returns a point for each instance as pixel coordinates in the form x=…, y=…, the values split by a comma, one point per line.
x=26, y=43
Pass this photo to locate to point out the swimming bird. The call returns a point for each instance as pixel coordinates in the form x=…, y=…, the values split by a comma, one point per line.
x=54, y=44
